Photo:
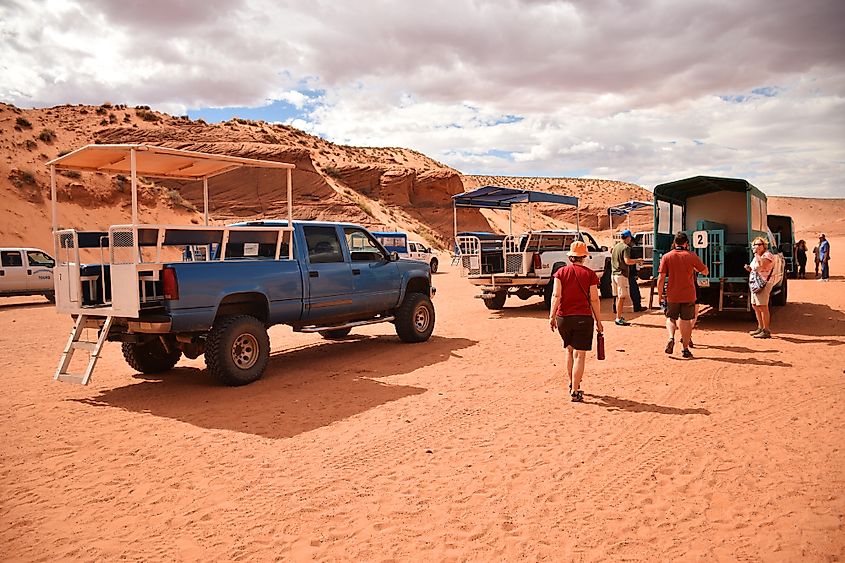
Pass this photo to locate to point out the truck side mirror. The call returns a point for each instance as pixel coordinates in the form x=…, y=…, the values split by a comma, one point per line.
x=604, y=249
x=394, y=256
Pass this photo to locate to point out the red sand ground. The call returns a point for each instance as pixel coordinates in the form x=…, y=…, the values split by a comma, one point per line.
x=462, y=448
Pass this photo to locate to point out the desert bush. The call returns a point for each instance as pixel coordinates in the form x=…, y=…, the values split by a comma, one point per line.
x=147, y=115
x=143, y=107
x=30, y=145
x=106, y=105
x=104, y=122
x=23, y=123
x=201, y=122
x=112, y=118
x=74, y=174
x=83, y=111
x=126, y=118
x=101, y=111
x=176, y=200
x=21, y=178
x=365, y=208
x=47, y=135
x=333, y=171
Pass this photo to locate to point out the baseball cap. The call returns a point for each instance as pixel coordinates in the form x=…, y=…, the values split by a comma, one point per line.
x=626, y=233
x=821, y=235
x=578, y=248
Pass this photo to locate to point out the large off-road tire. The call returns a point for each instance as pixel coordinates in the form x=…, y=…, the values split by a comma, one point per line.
x=780, y=299
x=335, y=334
x=415, y=318
x=237, y=349
x=433, y=265
x=150, y=356
x=497, y=302
x=605, y=285
x=51, y=296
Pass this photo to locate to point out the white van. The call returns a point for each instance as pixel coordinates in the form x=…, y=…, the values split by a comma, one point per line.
x=26, y=271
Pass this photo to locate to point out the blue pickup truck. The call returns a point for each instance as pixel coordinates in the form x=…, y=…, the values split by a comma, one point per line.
x=336, y=276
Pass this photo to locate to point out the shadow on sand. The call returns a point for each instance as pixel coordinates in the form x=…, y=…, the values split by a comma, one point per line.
x=617, y=404
x=302, y=389
x=27, y=305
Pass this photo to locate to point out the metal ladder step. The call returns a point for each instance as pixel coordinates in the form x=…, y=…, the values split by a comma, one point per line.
x=76, y=342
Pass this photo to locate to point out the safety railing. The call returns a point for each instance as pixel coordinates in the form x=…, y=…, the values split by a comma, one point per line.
x=469, y=249
x=514, y=257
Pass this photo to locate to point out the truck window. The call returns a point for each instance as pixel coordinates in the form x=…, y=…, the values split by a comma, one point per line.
x=323, y=245
x=11, y=259
x=592, y=245
x=38, y=258
x=362, y=246
x=664, y=209
x=677, y=218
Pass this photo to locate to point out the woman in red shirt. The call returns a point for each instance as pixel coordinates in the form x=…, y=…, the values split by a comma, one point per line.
x=575, y=304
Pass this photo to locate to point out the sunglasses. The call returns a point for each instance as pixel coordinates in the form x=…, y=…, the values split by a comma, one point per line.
x=757, y=244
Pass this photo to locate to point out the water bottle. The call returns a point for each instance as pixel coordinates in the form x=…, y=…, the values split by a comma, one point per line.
x=600, y=345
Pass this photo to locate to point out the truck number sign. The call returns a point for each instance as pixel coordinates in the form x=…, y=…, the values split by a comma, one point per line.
x=699, y=239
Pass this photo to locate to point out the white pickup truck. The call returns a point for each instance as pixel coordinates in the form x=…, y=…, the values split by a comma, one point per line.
x=523, y=265
x=26, y=271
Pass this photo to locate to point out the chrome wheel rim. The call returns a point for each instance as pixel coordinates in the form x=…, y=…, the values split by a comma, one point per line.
x=245, y=351
x=421, y=318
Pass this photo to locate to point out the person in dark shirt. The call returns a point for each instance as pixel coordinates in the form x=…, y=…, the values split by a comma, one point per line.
x=801, y=259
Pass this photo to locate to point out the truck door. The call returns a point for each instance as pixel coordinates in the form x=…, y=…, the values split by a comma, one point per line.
x=376, y=279
x=329, y=274
x=39, y=271
x=12, y=271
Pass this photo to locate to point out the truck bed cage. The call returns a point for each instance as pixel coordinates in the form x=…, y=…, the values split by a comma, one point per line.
x=133, y=255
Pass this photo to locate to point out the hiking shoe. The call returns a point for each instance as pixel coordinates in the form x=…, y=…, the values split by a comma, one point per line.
x=686, y=353
x=763, y=334
x=755, y=331
x=670, y=346
x=578, y=396
x=621, y=322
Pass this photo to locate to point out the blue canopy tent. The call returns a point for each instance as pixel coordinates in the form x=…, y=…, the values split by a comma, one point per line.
x=498, y=197
x=624, y=210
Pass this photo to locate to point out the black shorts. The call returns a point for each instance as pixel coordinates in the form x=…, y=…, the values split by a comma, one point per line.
x=576, y=331
x=684, y=310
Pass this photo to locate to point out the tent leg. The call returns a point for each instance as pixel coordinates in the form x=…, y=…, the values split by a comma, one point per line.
x=205, y=199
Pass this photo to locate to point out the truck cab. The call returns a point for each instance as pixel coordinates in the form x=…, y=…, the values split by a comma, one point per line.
x=26, y=271
x=721, y=216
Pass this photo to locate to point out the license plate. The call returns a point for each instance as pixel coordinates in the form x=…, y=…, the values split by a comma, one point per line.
x=703, y=282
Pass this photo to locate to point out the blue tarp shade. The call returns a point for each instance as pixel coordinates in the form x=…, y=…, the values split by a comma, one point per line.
x=497, y=197
x=624, y=208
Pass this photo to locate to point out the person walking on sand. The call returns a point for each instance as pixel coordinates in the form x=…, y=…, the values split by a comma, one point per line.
x=620, y=263
x=575, y=305
x=816, y=258
x=679, y=266
x=801, y=259
x=763, y=264
x=824, y=257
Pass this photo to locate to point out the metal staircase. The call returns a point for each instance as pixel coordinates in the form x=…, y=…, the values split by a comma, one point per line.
x=76, y=342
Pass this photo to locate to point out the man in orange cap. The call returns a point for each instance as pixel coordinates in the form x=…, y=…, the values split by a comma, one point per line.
x=575, y=304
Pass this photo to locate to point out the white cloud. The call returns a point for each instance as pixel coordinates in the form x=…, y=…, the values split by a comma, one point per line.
x=596, y=88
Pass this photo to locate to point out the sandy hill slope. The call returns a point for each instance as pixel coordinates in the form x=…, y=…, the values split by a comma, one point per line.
x=387, y=187
x=380, y=187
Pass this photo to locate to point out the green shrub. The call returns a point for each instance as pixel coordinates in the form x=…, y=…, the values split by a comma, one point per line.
x=112, y=118
x=101, y=111
x=23, y=123
x=21, y=178
x=30, y=145
x=176, y=200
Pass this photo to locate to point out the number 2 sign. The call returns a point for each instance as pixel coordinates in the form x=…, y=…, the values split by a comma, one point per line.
x=699, y=239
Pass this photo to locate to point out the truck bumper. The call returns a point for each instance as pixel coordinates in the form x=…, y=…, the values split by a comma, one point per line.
x=160, y=325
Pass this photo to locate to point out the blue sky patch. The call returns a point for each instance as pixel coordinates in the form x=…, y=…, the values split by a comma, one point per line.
x=276, y=111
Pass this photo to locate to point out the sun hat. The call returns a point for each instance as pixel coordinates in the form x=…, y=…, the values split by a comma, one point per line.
x=821, y=235
x=578, y=248
x=626, y=233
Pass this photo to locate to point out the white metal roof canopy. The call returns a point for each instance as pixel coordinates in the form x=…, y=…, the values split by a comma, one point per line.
x=157, y=162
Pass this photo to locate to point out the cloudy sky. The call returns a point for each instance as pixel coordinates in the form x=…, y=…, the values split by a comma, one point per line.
x=646, y=92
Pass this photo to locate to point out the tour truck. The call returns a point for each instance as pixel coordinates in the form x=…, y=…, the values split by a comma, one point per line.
x=167, y=290
x=26, y=271
x=520, y=265
x=721, y=217
x=395, y=241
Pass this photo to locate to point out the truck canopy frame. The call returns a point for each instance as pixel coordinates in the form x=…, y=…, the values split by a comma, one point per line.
x=498, y=197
